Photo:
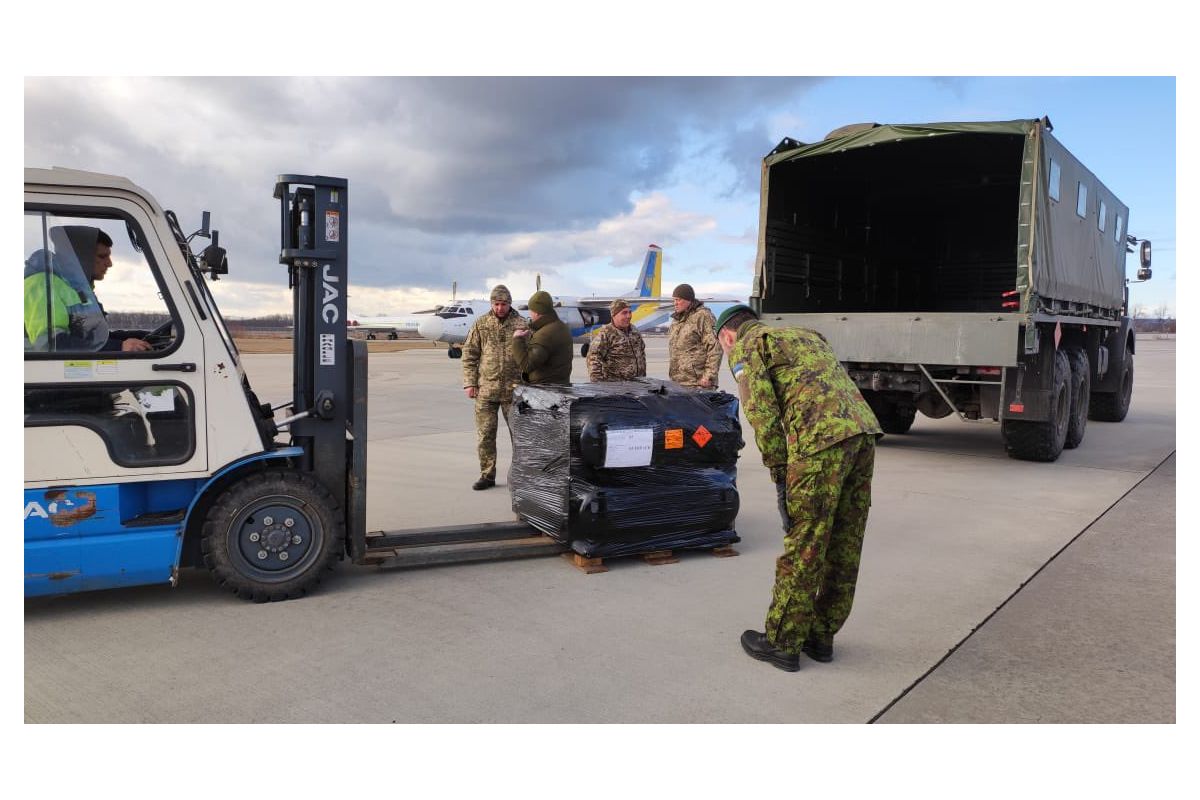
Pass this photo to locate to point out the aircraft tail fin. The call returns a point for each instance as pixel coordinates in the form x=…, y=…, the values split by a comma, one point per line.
x=649, y=283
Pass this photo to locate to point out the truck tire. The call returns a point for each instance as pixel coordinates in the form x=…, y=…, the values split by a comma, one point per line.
x=1081, y=392
x=893, y=417
x=272, y=536
x=1113, y=406
x=1043, y=441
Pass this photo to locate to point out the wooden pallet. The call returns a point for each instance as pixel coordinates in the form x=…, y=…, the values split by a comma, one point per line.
x=592, y=566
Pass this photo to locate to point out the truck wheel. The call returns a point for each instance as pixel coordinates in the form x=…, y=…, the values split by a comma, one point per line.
x=272, y=536
x=1113, y=406
x=1043, y=441
x=1081, y=392
x=893, y=417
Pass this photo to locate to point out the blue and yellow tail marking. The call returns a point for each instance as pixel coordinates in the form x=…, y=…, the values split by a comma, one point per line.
x=649, y=284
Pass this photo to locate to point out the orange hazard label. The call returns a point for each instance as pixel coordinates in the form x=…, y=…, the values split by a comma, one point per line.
x=673, y=439
x=701, y=436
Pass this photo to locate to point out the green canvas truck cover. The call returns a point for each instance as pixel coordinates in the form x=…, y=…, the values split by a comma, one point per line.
x=1061, y=256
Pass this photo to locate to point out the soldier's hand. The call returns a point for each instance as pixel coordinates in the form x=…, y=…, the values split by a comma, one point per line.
x=705, y=383
x=521, y=334
x=471, y=391
x=136, y=346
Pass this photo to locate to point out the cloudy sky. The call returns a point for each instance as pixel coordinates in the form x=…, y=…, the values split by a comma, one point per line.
x=480, y=180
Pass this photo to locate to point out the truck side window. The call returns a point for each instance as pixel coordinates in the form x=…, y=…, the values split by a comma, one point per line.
x=1100, y=216
x=86, y=289
x=141, y=424
x=1055, y=180
x=1081, y=203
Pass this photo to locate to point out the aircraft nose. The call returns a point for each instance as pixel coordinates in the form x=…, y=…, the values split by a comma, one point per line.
x=431, y=328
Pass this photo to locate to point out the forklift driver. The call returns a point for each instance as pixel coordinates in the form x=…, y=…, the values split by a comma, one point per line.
x=92, y=250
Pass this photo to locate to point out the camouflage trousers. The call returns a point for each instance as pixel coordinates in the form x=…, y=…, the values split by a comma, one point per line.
x=828, y=495
x=486, y=425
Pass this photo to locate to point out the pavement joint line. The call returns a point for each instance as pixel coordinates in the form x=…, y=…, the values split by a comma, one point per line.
x=1016, y=591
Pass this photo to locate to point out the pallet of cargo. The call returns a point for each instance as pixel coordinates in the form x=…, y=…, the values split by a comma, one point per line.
x=592, y=566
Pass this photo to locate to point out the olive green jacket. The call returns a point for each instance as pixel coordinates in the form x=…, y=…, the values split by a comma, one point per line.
x=544, y=356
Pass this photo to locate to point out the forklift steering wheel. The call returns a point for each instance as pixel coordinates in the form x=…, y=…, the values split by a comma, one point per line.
x=160, y=336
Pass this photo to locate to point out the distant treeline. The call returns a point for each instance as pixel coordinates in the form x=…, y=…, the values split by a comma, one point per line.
x=1154, y=325
x=145, y=321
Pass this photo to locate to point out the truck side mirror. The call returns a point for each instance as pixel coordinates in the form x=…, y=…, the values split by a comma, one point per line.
x=1144, y=257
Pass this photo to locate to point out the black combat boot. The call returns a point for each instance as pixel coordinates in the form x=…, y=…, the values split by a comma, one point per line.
x=818, y=650
x=483, y=483
x=756, y=646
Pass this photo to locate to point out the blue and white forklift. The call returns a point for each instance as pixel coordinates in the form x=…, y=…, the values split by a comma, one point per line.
x=146, y=450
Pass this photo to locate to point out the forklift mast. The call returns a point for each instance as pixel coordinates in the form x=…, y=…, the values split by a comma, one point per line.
x=329, y=371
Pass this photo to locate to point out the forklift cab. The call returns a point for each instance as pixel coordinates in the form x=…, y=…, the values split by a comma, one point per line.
x=145, y=447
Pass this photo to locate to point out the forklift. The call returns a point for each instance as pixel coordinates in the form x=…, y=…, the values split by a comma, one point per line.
x=143, y=459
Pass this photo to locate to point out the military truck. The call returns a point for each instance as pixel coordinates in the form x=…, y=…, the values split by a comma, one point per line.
x=968, y=268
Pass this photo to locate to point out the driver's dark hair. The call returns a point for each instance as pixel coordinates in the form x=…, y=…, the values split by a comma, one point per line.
x=103, y=238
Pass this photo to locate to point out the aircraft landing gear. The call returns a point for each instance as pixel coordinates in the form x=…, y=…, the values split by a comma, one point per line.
x=454, y=352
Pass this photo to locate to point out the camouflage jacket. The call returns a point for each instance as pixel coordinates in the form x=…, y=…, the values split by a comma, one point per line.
x=545, y=356
x=488, y=358
x=616, y=355
x=795, y=393
x=695, y=351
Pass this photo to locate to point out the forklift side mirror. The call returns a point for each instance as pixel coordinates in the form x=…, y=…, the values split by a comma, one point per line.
x=214, y=260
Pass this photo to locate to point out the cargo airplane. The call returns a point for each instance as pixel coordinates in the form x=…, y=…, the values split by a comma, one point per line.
x=392, y=327
x=583, y=315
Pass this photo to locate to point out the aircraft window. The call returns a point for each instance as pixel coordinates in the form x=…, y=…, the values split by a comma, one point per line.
x=1055, y=180
x=1100, y=217
x=141, y=424
x=72, y=265
x=470, y=311
x=1117, y=229
x=1081, y=203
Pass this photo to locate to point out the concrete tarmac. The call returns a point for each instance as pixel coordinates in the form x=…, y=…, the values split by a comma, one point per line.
x=955, y=532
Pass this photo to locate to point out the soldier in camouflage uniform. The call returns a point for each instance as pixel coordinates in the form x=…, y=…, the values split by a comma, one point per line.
x=695, y=355
x=817, y=437
x=489, y=375
x=617, y=352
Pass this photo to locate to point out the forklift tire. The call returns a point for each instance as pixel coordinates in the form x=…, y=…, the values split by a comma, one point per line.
x=272, y=536
x=1081, y=392
x=1043, y=441
x=1113, y=406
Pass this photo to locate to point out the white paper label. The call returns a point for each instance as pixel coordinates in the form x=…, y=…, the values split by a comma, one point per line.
x=156, y=401
x=328, y=357
x=630, y=447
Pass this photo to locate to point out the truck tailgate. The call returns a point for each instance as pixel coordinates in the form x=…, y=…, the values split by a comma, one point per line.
x=915, y=338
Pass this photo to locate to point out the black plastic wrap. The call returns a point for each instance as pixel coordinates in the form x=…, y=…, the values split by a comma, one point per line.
x=618, y=468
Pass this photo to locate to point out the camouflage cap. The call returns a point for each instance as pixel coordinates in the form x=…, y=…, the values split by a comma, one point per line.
x=617, y=306
x=501, y=294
